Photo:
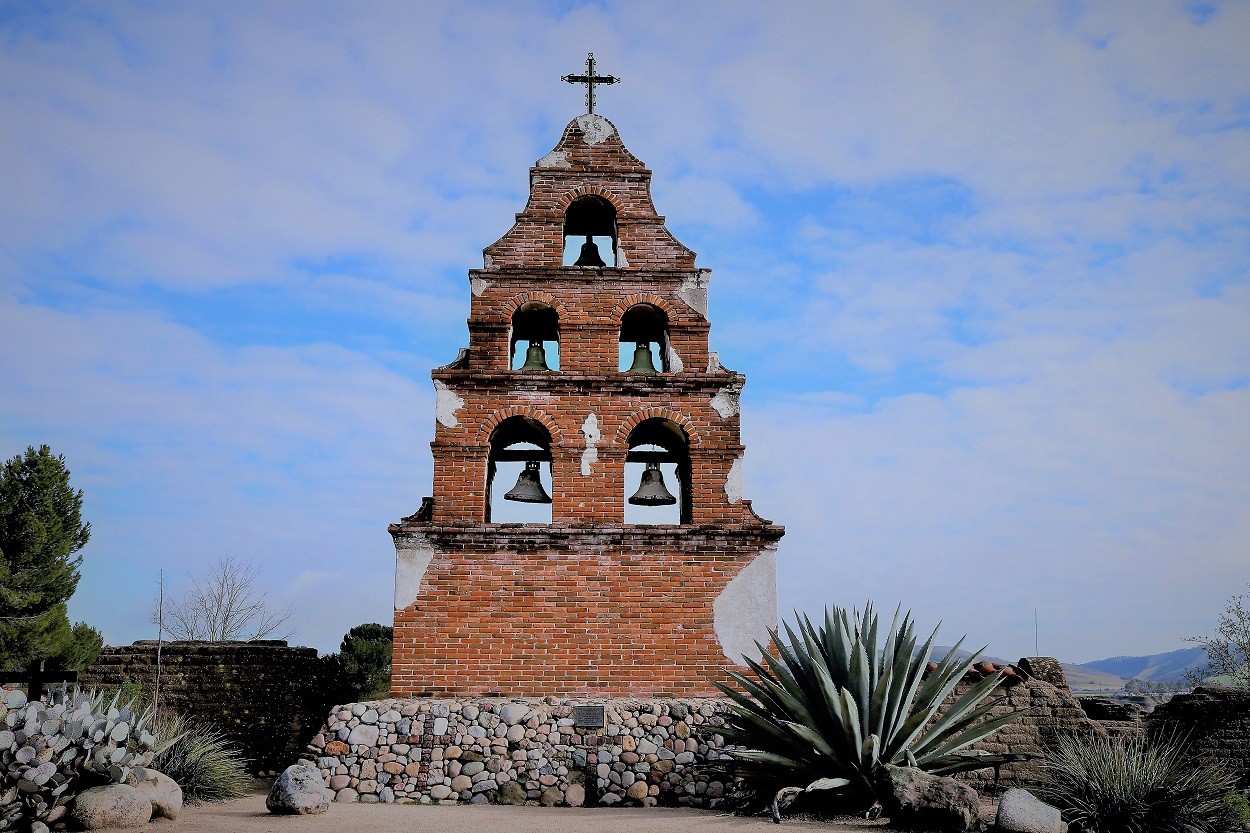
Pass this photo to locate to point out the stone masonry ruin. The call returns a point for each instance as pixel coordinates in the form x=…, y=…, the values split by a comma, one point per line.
x=260, y=693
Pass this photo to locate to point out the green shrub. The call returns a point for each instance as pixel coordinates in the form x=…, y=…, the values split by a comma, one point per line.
x=832, y=708
x=201, y=759
x=1114, y=785
x=1237, y=808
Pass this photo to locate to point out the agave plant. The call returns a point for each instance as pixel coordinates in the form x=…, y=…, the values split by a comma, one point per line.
x=830, y=709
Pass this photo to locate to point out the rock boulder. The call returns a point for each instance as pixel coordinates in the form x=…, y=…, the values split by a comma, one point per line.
x=1019, y=811
x=917, y=800
x=162, y=791
x=112, y=806
x=299, y=790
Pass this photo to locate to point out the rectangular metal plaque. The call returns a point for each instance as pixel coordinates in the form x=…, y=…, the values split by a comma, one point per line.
x=588, y=717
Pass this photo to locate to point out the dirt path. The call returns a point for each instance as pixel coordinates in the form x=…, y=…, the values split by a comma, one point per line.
x=248, y=815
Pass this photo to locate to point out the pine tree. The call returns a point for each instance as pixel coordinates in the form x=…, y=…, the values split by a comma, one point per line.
x=366, y=659
x=41, y=529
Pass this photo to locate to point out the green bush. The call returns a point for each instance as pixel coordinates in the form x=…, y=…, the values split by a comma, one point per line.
x=832, y=708
x=201, y=759
x=1237, y=808
x=1116, y=785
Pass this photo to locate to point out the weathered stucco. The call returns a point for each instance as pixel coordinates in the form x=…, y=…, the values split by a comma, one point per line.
x=693, y=291
x=590, y=430
x=674, y=362
x=746, y=609
x=446, y=403
x=555, y=159
x=413, y=554
x=478, y=285
x=733, y=482
x=726, y=402
x=595, y=128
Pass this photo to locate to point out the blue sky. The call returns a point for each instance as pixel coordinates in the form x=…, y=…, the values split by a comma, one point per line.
x=984, y=265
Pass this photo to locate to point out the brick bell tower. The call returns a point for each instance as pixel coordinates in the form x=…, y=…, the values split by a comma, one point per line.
x=624, y=560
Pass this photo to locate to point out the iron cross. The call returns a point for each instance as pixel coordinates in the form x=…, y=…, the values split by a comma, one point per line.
x=590, y=79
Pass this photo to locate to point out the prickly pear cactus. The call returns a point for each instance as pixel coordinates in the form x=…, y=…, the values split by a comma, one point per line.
x=49, y=752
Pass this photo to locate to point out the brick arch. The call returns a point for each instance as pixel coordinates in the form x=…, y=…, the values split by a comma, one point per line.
x=492, y=422
x=540, y=296
x=620, y=307
x=567, y=198
x=653, y=412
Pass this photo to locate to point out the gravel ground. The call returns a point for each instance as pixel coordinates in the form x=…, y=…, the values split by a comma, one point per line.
x=248, y=815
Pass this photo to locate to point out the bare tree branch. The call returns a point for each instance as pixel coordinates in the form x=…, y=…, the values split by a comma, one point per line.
x=222, y=605
x=1228, y=652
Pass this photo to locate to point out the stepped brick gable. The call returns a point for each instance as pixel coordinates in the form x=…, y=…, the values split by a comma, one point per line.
x=596, y=600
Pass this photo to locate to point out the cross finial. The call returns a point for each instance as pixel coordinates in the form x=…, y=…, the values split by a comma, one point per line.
x=590, y=79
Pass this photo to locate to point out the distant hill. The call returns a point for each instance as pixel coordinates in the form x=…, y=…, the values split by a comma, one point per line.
x=1155, y=668
x=1083, y=679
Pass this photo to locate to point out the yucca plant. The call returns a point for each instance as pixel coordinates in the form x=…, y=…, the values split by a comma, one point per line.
x=1114, y=785
x=831, y=708
x=201, y=759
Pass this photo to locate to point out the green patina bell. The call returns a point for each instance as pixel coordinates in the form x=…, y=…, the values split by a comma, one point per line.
x=535, y=357
x=642, y=359
x=529, y=488
x=652, y=491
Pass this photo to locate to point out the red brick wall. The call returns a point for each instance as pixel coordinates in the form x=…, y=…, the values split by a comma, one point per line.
x=510, y=612
x=587, y=604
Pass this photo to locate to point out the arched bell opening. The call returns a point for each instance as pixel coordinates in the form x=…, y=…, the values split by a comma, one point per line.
x=644, y=340
x=518, y=473
x=657, y=474
x=590, y=233
x=535, y=342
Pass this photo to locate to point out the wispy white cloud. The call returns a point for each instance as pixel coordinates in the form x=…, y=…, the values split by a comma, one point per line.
x=986, y=269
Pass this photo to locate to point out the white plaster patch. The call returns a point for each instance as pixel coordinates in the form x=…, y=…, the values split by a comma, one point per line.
x=746, y=609
x=726, y=402
x=671, y=359
x=693, y=291
x=446, y=403
x=590, y=430
x=733, y=481
x=478, y=285
x=488, y=262
x=622, y=262
x=713, y=363
x=555, y=159
x=413, y=554
x=595, y=128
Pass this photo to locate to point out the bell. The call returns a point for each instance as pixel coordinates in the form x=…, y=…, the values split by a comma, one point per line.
x=651, y=491
x=589, y=255
x=535, y=357
x=642, y=359
x=528, y=488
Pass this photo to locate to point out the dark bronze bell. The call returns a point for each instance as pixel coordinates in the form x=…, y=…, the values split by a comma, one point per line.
x=651, y=491
x=528, y=488
x=535, y=357
x=589, y=255
x=642, y=359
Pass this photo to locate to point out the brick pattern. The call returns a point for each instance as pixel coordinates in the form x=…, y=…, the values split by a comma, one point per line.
x=587, y=605
x=569, y=611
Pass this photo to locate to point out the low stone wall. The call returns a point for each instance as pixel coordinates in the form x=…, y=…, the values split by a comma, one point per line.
x=1217, y=723
x=259, y=693
x=648, y=752
x=1049, y=712
x=519, y=751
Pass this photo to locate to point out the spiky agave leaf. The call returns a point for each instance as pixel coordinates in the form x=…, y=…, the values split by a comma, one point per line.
x=829, y=706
